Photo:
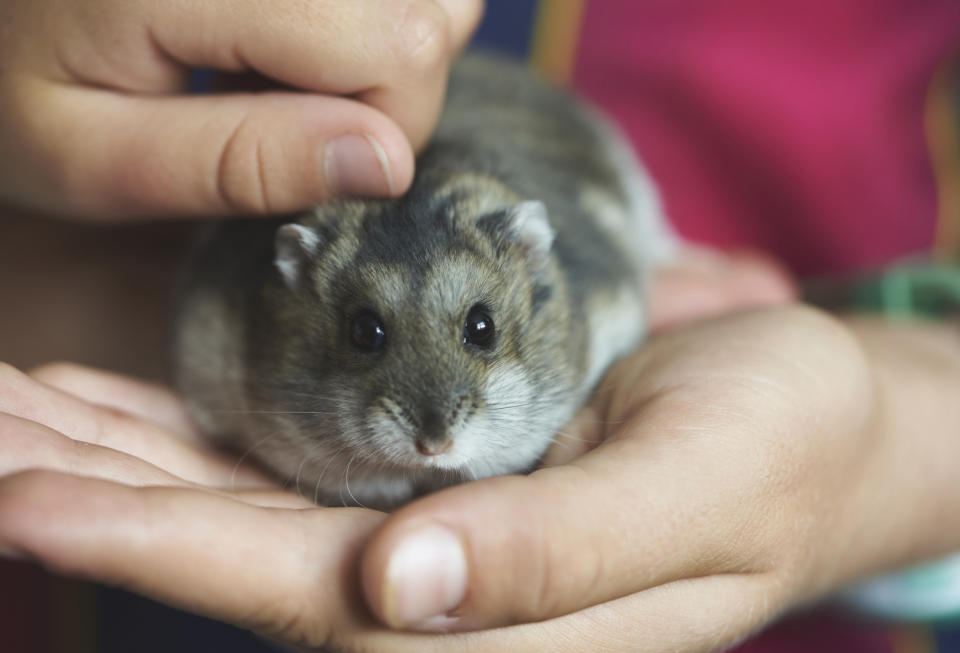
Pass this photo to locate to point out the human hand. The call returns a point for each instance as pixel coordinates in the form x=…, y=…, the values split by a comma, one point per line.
x=725, y=473
x=104, y=477
x=171, y=563
x=95, y=122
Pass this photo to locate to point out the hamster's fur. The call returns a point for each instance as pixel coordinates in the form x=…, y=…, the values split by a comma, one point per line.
x=351, y=351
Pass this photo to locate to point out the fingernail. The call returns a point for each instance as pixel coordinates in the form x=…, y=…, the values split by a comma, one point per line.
x=356, y=165
x=426, y=580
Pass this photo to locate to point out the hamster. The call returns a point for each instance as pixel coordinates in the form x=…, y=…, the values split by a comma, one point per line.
x=370, y=351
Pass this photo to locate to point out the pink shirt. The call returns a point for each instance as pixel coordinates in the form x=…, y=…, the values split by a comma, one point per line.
x=794, y=126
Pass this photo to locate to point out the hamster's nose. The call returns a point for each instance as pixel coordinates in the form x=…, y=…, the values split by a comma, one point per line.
x=433, y=438
x=432, y=448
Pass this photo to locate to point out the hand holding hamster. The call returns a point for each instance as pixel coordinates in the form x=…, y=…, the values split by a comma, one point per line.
x=96, y=123
x=776, y=461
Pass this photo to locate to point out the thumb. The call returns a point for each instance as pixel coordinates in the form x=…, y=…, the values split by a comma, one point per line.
x=495, y=552
x=225, y=154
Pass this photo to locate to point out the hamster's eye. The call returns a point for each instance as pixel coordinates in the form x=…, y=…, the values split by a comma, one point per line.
x=478, y=328
x=367, y=332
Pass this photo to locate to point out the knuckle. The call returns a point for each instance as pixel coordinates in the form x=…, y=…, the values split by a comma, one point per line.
x=423, y=38
x=105, y=424
x=292, y=615
x=15, y=390
x=286, y=625
x=547, y=583
x=561, y=573
x=835, y=337
x=56, y=373
x=10, y=375
x=11, y=434
x=11, y=488
x=240, y=176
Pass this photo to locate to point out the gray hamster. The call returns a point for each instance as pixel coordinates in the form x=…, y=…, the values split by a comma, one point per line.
x=370, y=351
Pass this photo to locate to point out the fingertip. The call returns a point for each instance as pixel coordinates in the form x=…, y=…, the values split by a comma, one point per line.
x=438, y=564
x=33, y=520
x=290, y=152
x=464, y=16
x=416, y=578
x=358, y=165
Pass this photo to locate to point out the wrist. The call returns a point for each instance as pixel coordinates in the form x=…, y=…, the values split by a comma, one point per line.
x=905, y=493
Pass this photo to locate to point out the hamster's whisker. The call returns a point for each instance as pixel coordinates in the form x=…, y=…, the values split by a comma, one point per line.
x=346, y=483
x=276, y=412
x=495, y=407
x=334, y=456
x=303, y=461
x=246, y=454
x=312, y=398
x=296, y=480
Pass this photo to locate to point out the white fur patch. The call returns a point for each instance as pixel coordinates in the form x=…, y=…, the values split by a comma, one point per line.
x=616, y=326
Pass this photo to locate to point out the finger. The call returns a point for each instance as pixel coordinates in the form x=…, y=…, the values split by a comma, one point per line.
x=394, y=55
x=464, y=17
x=160, y=543
x=653, y=506
x=31, y=400
x=25, y=444
x=138, y=398
x=28, y=445
x=123, y=155
x=699, y=614
x=286, y=573
x=704, y=283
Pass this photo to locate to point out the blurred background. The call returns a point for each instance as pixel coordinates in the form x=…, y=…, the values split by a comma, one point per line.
x=823, y=134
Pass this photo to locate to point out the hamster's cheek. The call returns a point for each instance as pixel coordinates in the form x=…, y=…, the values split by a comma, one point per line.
x=391, y=435
x=508, y=389
x=508, y=434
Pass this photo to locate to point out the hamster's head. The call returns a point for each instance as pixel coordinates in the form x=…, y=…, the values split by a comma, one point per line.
x=422, y=335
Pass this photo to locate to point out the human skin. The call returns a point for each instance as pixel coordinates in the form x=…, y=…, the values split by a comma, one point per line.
x=729, y=470
x=97, y=125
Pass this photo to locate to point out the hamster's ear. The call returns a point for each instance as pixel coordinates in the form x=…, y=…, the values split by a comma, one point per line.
x=529, y=225
x=295, y=244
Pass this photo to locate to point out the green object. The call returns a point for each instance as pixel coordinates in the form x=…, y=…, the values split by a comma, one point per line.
x=928, y=592
x=912, y=290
